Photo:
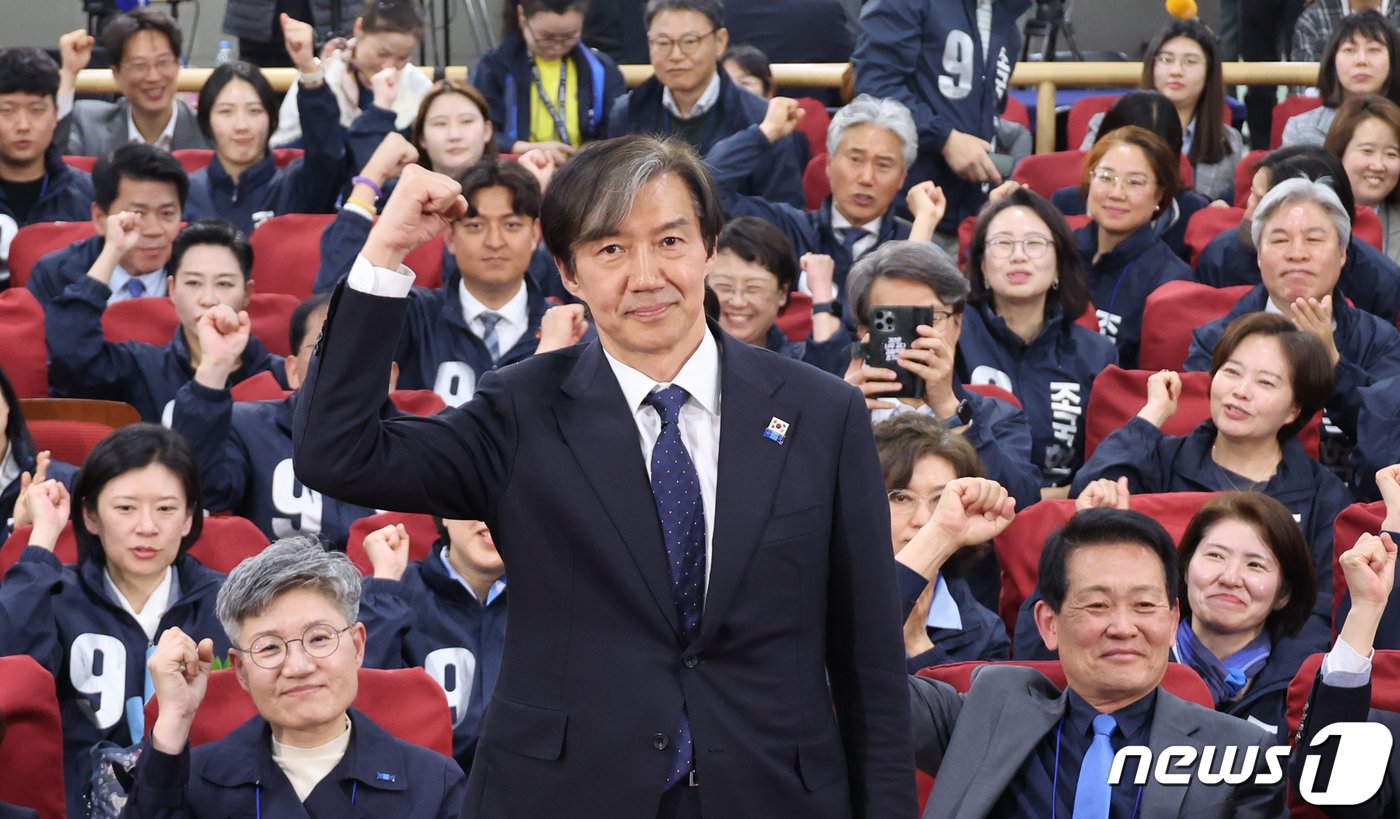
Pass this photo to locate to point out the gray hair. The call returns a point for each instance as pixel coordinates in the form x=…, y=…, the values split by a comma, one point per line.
x=712, y=9
x=290, y=563
x=920, y=262
x=889, y=114
x=1301, y=189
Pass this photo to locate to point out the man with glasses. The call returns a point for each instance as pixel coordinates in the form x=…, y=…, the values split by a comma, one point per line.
x=291, y=614
x=546, y=87
x=691, y=98
x=144, y=46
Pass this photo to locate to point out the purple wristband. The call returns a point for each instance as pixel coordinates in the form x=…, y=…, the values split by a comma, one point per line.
x=365, y=180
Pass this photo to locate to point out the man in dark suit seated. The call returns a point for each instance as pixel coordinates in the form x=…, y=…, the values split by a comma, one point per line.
x=871, y=144
x=136, y=179
x=691, y=98
x=35, y=184
x=1342, y=690
x=704, y=618
x=144, y=46
x=1015, y=745
x=307, y=752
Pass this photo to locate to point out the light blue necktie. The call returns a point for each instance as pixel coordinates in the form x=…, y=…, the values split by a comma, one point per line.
x=676, y=488
x=492, y=341
x=135, y=288
x=1092, y=795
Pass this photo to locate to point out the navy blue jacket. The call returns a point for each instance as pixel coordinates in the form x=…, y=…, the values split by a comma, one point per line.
x=65, y=196
x=429, y=619
x=1369, y=348
x=54, y=271
x=503, y=76
x=1121, y=281
x=1170, y=227
x=25, y=456
x=734, y=158
x=1369, y=278
x=1154, y=462
x=929, y=56
x=244, y=453
x=67, y=620
x=778, y=178
x=1328, y=705
x=308, y=185
x=1377, y=438
x=982, y=636
x=379, y=776
x=83, y=364
x=1051, y=376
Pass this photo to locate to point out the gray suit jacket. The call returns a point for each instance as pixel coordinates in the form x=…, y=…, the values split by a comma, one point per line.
x=97, y=128
x=1009, y=709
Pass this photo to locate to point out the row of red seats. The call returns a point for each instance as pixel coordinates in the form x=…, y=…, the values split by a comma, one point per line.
x=191, y=159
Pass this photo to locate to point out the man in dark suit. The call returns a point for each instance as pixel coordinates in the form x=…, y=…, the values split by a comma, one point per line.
x=144, y=46
x=1015, y=745
x=704, y=619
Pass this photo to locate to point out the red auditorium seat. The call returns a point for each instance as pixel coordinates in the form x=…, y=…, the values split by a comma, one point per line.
x=1174, y=310
x=993, y=391
x=271, y=316
x=1286, y=110
x=260, y=387
x=283, y=157
x=406, y=702
x=35, y=241
x=815, y=120
x=287, y=252
x=1077, y=125
x=82, y=163
x=796, y=318
x=1017, y=112
x=1244, y=176
x=1207, y=223
x=815, y=186
x=1018, y=548
x=1047, y=173
x=23, y=351
x=1367, y=227
x=1385, y=696
x=223, y=543
x=1119, y=394
x=193, y=159
x=1352, y=523
x=71, y=427
x=418, y=402
x=149, y=320
x=31, y=758
x=422, y=533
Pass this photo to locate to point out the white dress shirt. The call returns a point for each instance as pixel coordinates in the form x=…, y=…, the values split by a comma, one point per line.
x=156, y=605
x=166, y=138
x=154, y=282
x=515, y=316
x=705, y=103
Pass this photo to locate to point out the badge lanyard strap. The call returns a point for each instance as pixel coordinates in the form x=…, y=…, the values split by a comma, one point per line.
x=561, y=127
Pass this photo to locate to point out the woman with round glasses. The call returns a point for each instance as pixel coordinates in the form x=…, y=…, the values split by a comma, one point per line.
x=1182, y=63
x=1020, y=331
x=135, y=510
x=1129, y=176
x=1360, y=59
x=291, y=613
x=546, y=88
x=944, y=620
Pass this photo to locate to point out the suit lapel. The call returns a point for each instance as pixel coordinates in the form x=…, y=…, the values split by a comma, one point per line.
x=1172, y=724
x=598, y=427
x=749, y=468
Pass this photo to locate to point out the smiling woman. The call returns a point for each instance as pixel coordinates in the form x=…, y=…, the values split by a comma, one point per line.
x=136, y=510
x=1366, y=137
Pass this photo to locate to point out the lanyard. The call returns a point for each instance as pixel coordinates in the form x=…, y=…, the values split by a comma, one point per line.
x=559, y=115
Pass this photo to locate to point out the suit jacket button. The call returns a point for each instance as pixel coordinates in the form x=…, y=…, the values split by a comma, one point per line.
x=660, y=742
x=691, y=660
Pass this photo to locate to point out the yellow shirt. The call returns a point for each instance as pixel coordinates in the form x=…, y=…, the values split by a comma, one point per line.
x=541, y=123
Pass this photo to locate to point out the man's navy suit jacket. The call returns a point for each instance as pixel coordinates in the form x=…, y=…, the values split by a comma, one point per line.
x=794, y=688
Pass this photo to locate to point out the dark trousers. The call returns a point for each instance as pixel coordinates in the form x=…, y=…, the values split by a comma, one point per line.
x=1265, y=26
x=680, y=802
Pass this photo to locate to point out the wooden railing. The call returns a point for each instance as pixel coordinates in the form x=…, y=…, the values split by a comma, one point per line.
x=1046, y=78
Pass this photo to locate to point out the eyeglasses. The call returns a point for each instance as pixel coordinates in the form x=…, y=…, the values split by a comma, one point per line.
x=270, y=651
x=1185, y=60
x=1131, y=184
x=164, y=65
x=750, y=292
x=661, y=46
x=904, y=503
x=1003, y=247
x=566, y=39
x=937, y=317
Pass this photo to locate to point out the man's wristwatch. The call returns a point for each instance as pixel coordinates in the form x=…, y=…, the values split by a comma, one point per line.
x=961, y=418
x=833, y=307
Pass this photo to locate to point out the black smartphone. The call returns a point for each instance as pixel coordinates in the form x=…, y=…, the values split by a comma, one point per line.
x=892, y=329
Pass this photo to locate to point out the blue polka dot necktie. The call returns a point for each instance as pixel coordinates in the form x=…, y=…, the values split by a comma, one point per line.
x=676, y=488
x=1092, y=795
x=849, y=239
x=489, y=337
x=135, y=288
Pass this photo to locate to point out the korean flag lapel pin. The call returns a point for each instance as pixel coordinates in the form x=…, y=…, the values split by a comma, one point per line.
x=777, y=430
